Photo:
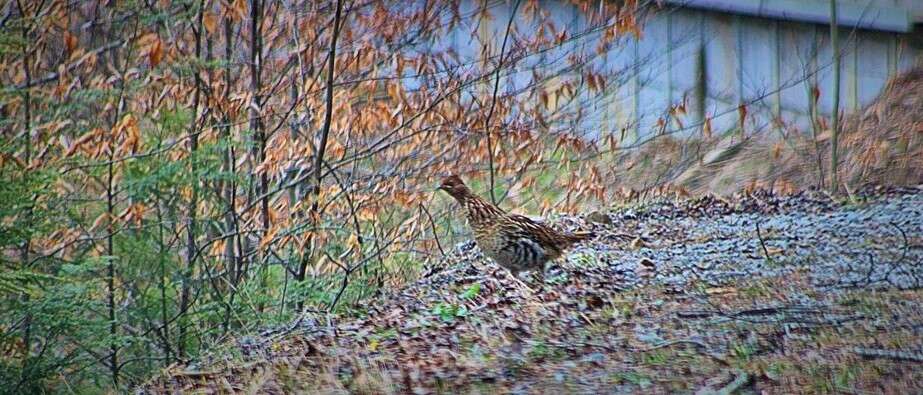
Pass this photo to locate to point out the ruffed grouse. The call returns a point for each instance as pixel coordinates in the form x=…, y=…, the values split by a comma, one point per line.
x=515, y=242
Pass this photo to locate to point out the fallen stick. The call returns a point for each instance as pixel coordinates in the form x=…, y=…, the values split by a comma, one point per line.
x=889, y=354
x=741, y=379
x=698, y=345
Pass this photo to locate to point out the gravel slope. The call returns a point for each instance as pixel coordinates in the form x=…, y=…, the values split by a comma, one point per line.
x=876, y=243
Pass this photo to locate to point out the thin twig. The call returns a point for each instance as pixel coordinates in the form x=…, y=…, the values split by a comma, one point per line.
x=693, y=314
x=433, y=225
x=740, y=379
x=328, y=105
x=906, y=243
x=347, y=271
x=835, y=112
x=6, y=15
x=673, y=343
x=493, y=100
x=889, y=354
x=759, y=235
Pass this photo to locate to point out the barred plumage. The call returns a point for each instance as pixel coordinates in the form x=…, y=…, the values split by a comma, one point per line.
x=515, y=242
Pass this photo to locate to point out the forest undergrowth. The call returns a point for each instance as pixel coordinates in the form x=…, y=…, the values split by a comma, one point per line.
x=746, y=309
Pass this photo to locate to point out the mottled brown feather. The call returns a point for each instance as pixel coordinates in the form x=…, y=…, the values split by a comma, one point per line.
x=515, y=242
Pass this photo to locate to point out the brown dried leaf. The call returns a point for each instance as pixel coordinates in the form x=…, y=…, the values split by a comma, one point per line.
x=155, y=52
x=210, y=20
x=70, y=42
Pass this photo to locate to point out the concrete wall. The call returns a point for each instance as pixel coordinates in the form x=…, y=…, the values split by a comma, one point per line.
x=769, y=64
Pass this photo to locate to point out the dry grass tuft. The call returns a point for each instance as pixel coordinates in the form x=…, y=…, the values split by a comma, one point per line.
x=880, y=145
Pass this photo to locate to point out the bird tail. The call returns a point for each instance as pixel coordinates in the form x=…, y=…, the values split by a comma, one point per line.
x=577, y=237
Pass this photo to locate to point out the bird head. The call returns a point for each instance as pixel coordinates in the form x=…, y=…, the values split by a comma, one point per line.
x=453, y=185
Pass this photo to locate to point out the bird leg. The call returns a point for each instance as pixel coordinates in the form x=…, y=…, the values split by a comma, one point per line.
x=522, y=284
x=531, y=293
x=539, y=276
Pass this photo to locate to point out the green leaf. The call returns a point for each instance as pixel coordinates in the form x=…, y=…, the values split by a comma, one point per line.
x=472, y=291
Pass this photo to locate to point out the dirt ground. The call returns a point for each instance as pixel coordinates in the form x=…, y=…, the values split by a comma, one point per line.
x=673, y=297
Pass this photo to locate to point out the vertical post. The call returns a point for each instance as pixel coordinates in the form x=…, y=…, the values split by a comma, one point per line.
x=701, y=72
x=670, y=58
x=701, y=83
x=835, y=113
x=738, y=32
x=854, y=76
x=810, y=83
x=777, y=75
x=892, y=55
x=636, y=85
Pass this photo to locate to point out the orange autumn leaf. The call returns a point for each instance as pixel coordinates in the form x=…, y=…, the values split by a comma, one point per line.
x=269, y=237
x=155, y=52
x=237, y=10
x=210, y=20
x=82, y=141
x=70, y=42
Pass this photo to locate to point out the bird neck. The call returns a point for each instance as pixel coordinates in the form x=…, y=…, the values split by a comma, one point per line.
x=481, y=211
